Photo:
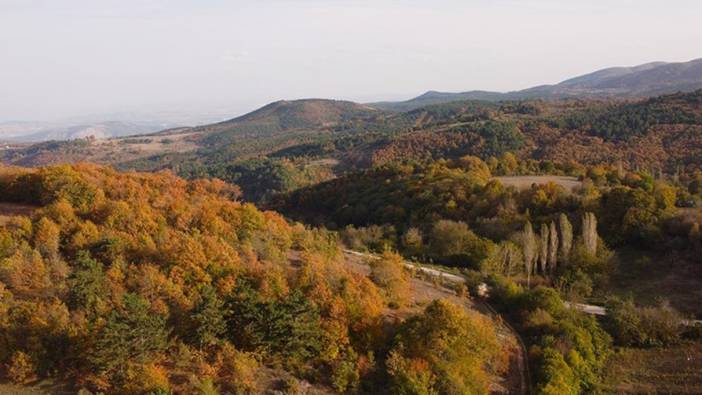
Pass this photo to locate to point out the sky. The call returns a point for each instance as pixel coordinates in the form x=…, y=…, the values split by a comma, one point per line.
x=78, y=58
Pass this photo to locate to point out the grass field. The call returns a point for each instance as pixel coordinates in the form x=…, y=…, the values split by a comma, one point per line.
x=525, y=182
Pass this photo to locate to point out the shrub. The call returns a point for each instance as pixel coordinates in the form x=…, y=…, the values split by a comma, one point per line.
x=555, y=376
x=569, y=347
x=454, y=243
x=20, y=370
x=654, y=326
x=237, y=369
x=445, y=350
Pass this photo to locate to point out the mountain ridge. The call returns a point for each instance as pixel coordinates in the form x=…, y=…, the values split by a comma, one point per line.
x=645, y=80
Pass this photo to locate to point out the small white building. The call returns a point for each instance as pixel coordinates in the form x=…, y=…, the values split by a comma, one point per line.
x=482, y=290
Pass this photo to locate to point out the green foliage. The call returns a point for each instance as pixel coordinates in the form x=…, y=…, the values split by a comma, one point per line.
x=209, y=318
x=345, y=376
x=261, y=179
x=444, y=351
x=500, y=137
x=205, y=386
x=288, y=328
x=63, y=182
x=630, y=215
x=87, y=284
x=132, y=334
x=373, y=237
x=569, y=347
x=556, y=376
x=624, y=121
x=454, y=243
x=410, y=377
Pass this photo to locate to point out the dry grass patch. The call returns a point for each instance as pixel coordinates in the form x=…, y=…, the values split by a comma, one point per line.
x=525, y=182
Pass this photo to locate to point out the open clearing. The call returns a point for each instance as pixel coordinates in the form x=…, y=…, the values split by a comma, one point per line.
x=525, y=182
x=131, y=148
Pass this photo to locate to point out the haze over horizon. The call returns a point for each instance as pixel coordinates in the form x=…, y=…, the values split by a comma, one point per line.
x=81, y=58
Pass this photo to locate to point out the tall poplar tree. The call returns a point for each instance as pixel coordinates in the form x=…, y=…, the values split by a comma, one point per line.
x=552, y=247
x=566, y=241
x=589, y=233
x=529, y=246
x=543, y=248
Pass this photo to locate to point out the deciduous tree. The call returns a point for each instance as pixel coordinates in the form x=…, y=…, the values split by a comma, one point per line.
x=390, y=274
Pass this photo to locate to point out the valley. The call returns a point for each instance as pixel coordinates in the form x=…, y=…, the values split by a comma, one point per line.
x=350, y=197
x=274, y=251
x=299, y=143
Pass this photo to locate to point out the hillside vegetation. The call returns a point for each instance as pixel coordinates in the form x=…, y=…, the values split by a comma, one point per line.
x=146, y=283
x=96, y=264
x=537, y=246
x=289, y=145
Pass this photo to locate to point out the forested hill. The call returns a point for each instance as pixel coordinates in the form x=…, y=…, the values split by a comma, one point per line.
x=288, y=145
x=285, y=115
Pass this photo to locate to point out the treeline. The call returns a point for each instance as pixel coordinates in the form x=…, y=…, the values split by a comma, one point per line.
x=146, y=283
x=633, y=208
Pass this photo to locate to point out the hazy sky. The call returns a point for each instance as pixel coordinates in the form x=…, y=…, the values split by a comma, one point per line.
x=63, y=58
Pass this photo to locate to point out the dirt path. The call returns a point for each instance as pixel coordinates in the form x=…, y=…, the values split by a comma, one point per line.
x=516, y=381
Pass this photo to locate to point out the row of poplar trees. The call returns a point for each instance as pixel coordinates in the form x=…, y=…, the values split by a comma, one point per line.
x=553, y=245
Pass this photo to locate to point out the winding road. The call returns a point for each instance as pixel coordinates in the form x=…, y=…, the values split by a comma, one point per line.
x=521, y=361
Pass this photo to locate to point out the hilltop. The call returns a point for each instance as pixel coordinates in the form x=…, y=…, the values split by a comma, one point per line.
x=285, y=115
x=266, y=122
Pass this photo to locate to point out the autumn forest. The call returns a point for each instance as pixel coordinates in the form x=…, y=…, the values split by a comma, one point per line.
x=537, y=245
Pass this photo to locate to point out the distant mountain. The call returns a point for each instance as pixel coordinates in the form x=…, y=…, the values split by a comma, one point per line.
x=45, y=131
x=272, y=127
x=650, y=79
x=434, y=97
